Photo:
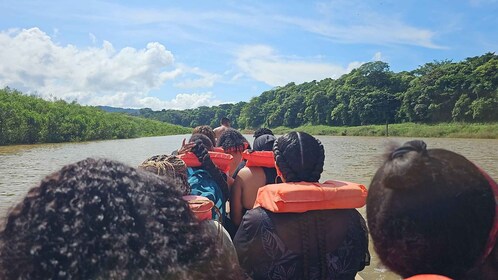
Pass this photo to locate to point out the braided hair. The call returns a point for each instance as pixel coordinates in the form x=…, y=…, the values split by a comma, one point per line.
x=299, y=156
x=169, y=166
x=231, y=140
x=201, y=152
x=431, y=206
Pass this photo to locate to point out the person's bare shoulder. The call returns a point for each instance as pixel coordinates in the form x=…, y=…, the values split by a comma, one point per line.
x=218, y=131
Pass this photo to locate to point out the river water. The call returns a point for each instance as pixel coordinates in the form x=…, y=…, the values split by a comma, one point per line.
x=347, y=158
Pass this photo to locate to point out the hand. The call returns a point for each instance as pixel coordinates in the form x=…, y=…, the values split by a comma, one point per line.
x=186, y=147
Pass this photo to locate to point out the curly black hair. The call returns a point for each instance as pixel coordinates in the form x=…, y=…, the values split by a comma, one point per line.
x=100, y=219
x=262, y=131
x=433, y=207
x=299, y=156
x=231, y=140
x=206, y=130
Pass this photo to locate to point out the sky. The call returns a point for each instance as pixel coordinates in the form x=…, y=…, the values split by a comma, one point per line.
x=185, y=54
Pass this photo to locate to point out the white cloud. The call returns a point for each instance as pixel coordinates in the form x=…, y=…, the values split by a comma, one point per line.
x=202, y=78
x=262, y=63
x=371, y=30
x=32, y=62
x=181, y=101
x=345, y=21
x=378, y=57
x=55, y=33
x=93, y=38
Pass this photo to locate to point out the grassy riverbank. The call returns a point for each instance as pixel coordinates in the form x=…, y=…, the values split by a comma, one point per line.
x=446, y=130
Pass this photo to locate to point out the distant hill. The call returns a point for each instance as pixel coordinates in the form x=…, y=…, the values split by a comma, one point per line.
x=128, y=111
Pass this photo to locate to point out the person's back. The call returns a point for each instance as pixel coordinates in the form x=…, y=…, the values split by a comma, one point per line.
x=206, y=180
x=323, y=244
x=249, y=179
x=224, y=125
x=316, y=244
x=233, y=143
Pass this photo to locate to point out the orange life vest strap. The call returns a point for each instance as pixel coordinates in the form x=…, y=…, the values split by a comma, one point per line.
x=306, y=196
x=259, y=158
x=428, y=277
x=221, y=160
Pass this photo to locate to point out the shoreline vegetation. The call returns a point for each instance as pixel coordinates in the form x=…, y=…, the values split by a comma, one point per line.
x=31, y=120
x=439, y=92
x=442, y=130
x=438, y=99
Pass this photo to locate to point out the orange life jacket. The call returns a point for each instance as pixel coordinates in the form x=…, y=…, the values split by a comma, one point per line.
x=218, y=149
x=428, y=277
x=259, y=158
x=221, y=160
x=306, y=196
x=201, y=206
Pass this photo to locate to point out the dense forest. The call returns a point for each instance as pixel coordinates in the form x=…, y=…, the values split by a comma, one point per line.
x=30, y=119
x=439, y=91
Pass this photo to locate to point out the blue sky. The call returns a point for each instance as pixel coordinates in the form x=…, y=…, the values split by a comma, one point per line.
x=184, y=54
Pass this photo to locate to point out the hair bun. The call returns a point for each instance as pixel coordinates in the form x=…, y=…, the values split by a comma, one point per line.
x=410, y=146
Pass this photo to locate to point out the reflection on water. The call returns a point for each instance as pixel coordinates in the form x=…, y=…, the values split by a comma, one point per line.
x=347, y=158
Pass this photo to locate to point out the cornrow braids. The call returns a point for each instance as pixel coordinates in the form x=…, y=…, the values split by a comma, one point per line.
x=290, y=175
x=299, y=156
x=317, y=172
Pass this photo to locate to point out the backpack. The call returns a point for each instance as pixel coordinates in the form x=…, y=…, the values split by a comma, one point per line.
x=202, y=184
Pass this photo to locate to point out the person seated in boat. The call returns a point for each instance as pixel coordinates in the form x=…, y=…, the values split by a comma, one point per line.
x=100, y=219
x=206, y=179
x=262, y=131
x=432, y=211
x=176, y=169
x=233, y=143
x=206, y=130
x=224, y=125
x=297, y=243
x=250, y=179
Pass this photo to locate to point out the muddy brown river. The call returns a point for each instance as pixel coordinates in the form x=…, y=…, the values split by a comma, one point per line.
x=347, y=158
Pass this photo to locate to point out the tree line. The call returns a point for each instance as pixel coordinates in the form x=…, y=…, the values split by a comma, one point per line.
x=30, y=119
x=439, y=91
